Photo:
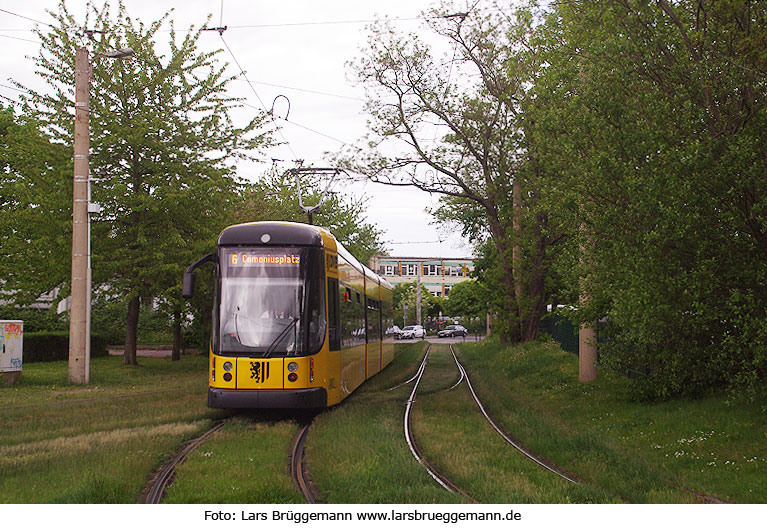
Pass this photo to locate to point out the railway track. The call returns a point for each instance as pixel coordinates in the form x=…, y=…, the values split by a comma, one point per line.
x=155, y=490
x=164, y=477
x=439, y=477
x=297, y=468
x=417, y=373
x=507, y=437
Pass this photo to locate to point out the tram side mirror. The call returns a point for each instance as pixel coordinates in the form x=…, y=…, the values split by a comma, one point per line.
x=188, y=287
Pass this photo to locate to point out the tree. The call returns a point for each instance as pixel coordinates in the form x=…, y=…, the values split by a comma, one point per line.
x=35, y=201
x=275, y=198
x=652, y=117
x=406, y=294
x=468, y=299
x=163, y=144
x=457, y=126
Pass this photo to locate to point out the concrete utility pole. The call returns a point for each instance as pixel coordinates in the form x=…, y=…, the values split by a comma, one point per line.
x=80, y=308
x=79, y=334
x=587, y=334
x=587, y=353
x=418, y=297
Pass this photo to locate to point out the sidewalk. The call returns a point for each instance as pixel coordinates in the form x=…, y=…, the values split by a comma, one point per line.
x=160, y=350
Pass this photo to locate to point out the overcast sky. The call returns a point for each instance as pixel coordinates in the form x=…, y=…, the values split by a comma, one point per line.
x=295, y=48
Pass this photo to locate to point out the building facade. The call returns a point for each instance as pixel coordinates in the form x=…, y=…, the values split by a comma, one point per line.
x=438, y=275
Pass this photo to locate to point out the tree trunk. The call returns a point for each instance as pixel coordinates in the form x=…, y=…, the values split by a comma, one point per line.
x=507, y=327
x=131, y=331
x=176, y=354
x=516, y=251
x=537, y=283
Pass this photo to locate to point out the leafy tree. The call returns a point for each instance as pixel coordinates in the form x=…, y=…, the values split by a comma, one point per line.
x=163, y=145
x=407, y=294
x=652, y=117
x=468, y=299
x=275, y=198
x=36, y=202
x=457, y=125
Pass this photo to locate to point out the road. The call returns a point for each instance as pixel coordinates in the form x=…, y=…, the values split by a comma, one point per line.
x=446, y=340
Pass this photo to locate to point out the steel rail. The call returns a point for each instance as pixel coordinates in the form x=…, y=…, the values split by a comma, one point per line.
x=296, y=464
x=412, y=378
x=433, y=472
x=167, y=473
x=526, y=452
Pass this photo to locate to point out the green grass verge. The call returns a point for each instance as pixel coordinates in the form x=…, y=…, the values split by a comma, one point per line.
x=357, y=452
x=674, y=451
x=459, y=441
x=101, y=442
x=98, y=443
x=244, y=462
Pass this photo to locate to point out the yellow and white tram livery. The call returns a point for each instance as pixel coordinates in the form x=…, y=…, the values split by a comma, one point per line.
x=298, y=322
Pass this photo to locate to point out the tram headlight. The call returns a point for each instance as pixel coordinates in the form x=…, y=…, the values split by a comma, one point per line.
x=228, y=366
x=292, y=366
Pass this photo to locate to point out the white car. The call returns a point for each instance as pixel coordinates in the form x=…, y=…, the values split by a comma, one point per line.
x=412, y=332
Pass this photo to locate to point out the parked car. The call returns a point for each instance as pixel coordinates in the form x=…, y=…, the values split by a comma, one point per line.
x=453, y=330
x=412, y=332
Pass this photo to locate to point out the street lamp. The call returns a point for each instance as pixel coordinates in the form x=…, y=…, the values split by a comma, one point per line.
x=79, y=314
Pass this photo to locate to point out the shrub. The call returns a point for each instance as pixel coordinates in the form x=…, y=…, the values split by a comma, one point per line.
x=47, y=346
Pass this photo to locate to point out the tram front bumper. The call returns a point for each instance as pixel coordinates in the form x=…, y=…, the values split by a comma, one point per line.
x=307, y=398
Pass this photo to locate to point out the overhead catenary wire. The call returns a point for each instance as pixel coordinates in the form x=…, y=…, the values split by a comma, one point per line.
x=253, y=89
x=21, y=39
x=26, y=18
x=309, y=91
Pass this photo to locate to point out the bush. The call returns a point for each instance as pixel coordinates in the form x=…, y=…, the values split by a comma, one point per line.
x=35, y=319
x=48, y=346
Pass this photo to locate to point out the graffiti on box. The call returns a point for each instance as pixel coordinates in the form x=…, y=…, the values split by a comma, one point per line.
x=11, y=334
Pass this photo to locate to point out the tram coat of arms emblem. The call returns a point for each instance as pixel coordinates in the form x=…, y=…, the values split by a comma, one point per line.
x=259, y=371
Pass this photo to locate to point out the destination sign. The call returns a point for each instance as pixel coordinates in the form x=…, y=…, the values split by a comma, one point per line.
x=245, y=259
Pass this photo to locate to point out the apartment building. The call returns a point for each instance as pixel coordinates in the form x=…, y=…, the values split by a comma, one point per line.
x=438, y=275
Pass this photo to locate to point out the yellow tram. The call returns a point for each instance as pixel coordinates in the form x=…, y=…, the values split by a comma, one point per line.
x=298, y=322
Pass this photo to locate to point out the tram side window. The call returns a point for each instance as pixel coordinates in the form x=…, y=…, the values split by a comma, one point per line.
x=374, y=320
x=333, y=318
x=387, y=319
x=352, y=315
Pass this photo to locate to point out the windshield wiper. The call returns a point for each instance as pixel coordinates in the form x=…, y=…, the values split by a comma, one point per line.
x=237, y=331
x=279, y=337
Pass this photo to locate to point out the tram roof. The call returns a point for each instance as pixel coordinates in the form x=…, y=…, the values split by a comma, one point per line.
x=271, y=233
x=289, y=233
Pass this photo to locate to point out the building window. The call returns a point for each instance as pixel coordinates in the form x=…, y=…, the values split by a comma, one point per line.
x=410, y=269
x=389, y=270
x=432, y=270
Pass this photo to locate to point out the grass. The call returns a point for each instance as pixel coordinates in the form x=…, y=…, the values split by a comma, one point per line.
x=675, y=451
x=244, y=462
x=98, y=443
x=357, y=452
x=458, y=440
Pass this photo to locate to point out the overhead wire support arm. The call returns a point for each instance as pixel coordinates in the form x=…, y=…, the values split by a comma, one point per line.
x=220, y=29
x=298, y=172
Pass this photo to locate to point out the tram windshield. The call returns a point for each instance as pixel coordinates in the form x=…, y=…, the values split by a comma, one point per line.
x=271, y=301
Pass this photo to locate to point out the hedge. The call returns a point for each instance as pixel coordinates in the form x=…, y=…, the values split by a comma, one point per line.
x=44, y=346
